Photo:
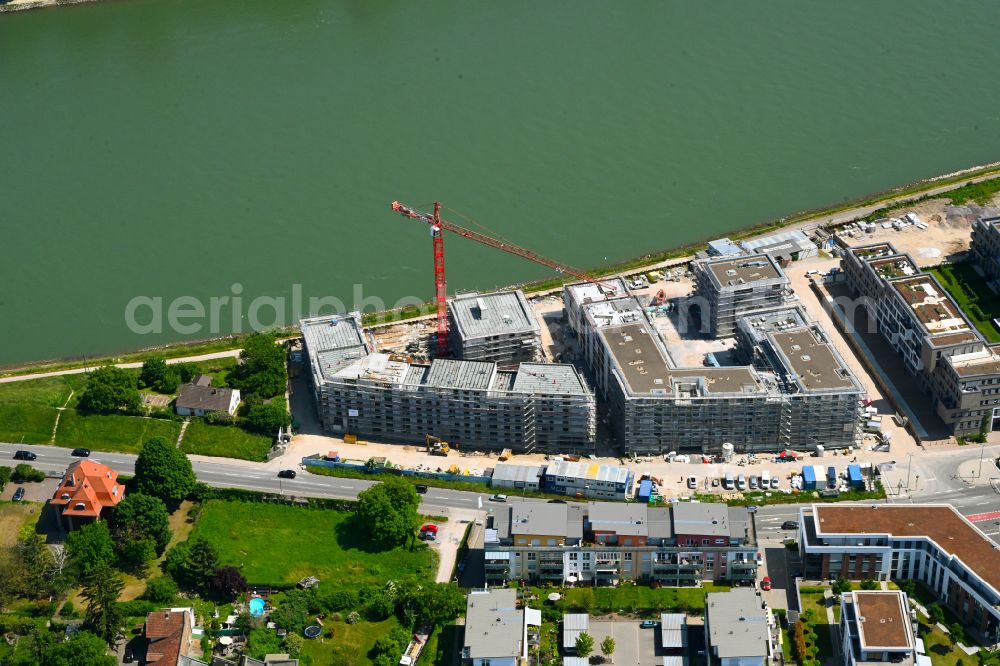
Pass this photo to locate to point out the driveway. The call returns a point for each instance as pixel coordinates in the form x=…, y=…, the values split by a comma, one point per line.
x=633, y=646
x=33, y=491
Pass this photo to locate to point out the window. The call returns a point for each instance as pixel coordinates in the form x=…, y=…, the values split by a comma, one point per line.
x=628, y=557
x=531, y=556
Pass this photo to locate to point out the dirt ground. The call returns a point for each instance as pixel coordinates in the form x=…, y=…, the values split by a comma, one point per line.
x=13, y=516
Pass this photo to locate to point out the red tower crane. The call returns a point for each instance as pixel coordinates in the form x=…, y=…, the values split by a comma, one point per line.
x=437, y=227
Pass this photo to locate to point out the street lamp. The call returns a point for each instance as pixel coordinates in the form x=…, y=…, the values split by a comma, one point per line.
x=909, y=471
x=982, y=452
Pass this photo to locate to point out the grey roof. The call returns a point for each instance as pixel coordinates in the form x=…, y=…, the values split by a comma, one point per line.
x=739, y=271
x=705, y=518
x=209, y=398
x=576, y=661
x=332, y=332
x=504, y=381
x=623, y=519
x=587, y=471
x=448, y=373
x=674, y=660
x=739, y=521
x=737, y=624
x=484, y=315
x=494, y=625
x=673, y=630
x=574, y=624
x=538, y=519
x=556, y=378
x=723, y=247
x=661, y=526
x=812, y=360
x=512, y=472
x=785, y=241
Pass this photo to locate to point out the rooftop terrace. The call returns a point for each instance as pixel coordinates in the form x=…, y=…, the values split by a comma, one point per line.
x=894, y=266
x=867, y=252
x=932, y=305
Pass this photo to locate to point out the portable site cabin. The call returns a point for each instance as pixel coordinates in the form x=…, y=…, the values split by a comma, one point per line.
x=854, y=477
x=809, y=478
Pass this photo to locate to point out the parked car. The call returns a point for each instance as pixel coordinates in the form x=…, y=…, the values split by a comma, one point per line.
x=765, y=584
x=24, y=455
x=741, y=482
x=421, y=488
x=649, y=624
x=129, y=655
x=753, y=483
x=693, y=482
x=286, y=474
x=498, y=498
x=18, y=494
x=557, y=501
x=789, y=525
x=775, y=482
x=81, y=453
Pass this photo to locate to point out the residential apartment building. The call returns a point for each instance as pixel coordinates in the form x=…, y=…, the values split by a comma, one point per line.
x=499, y=327
x=739, y=629
x=607, y=543
x=985, y=248
x=730, y=287
x=475, y=404
x=876, y=628
x=933, y=544
x=497, y=632
x=86, y=490
x=937, y=344
x=588, y=479
x=795, y=392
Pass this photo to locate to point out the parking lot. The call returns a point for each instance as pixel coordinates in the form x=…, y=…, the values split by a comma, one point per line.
x=633, y=644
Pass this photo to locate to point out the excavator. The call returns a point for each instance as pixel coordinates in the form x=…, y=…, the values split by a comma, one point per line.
x=436, y=446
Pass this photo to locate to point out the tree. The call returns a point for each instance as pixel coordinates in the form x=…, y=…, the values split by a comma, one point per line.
x=387, y=649
x=435, y=604
x=293, y=645
x=156, y=374
x=101, y=591
x=935, y=613
x=90, y=548
x=387, y=513
x=608, y=648
x=262, y=642
x=161, y=590
x=24, y=473
x=267, y=418
x=292, y=614
x=262, y=367
x=141, y=515
x=82, y=649
x=175, y=564
x=110, y=389
x=227, y=583
x=37, y=564
x=4, y=476
x=841, y=585
x=869, y=584
x=584, y=645
x=202, y=561
x=162, y=470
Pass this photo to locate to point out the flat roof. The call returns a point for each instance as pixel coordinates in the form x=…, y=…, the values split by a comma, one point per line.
x=673, y=630
x=886, y=621
x=953, y=338
x=375, y=367
x=624, y=519
x=499, y=313
x=737, y=624
x=449, y=373
x=730, y=272
x=930, y=303
x=941, y=523
x=645, y=369
x=703, y=518
x=894, y=266
x=544, y=519
x=794, y=240
x=588, y=292
x=814, y=362
x=555, y=378
x=614, y=312
x=587, y=471
x=332, y=332
x=574, y=624
x=512, y=472
x=865, y=252
x=980, y=362
x=723, y=247
x=494, y=625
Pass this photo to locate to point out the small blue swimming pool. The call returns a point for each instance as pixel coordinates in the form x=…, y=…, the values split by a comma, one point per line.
x=256, y=607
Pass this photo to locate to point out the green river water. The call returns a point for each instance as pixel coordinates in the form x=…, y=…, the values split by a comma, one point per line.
x=167, y=148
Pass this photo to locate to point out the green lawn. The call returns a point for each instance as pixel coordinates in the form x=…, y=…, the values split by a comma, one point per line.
x=969, y=290
x=14, y=516
x=226, y=441
x=28, y=409
x=277, y=543
x=350, y=643
x=813, y=599
x=112, y=432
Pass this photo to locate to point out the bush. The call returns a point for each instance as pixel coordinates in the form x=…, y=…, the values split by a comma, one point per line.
x=957, y=632
x=23, y=473
x=4, y=475
x=161, y=590
x=68, y=610
x=935, y=613
x=137, y=607
x=340, y=600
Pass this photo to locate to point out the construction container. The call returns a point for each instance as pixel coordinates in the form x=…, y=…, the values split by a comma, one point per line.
x=809, y=478
x=854, y=477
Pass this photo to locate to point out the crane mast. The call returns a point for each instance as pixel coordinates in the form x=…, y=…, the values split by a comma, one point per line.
x=437, y=227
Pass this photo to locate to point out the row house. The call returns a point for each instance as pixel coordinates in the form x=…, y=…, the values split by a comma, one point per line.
x=605, y=544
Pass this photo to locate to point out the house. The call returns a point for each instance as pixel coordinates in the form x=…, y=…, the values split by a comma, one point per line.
x=87, y=488
x=496, y=630
x=200, y=398
x=168, y=635
x=876, y=628
x=737, y=628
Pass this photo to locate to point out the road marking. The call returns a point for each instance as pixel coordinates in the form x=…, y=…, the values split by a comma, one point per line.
x=979, y=517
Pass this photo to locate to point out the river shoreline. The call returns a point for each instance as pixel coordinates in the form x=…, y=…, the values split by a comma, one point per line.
x=25, y=5
x=809, y=219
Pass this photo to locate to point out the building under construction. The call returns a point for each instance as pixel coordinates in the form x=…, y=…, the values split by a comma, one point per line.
x=498, y=327
x=795, y=392
x=470, y=404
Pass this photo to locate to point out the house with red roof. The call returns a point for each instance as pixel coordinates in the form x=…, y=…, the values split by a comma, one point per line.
x=168, y=634
x=86, y=490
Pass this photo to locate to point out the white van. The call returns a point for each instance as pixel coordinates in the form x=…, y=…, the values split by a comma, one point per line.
x=728, y=482
x=741, y=482
x=765, y=479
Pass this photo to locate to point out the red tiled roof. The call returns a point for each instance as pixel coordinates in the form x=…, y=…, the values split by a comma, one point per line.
x=90, y=484
x=165, y=632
